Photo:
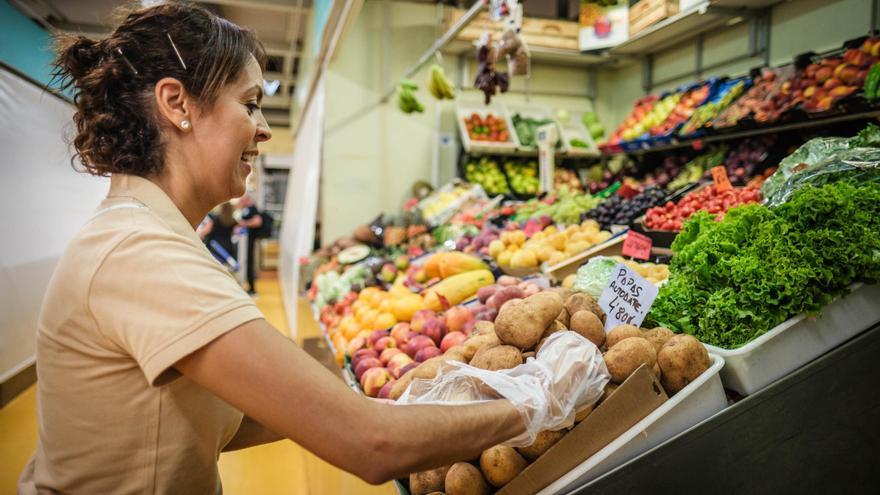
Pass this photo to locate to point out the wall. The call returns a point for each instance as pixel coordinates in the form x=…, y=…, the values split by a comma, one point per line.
x=23, y=44
x=797, y=26
x=373, y=153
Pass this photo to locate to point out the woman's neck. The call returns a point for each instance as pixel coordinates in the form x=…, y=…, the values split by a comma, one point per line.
x=184, y=195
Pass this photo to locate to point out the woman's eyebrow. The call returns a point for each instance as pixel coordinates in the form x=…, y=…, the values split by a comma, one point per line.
x=258, y=89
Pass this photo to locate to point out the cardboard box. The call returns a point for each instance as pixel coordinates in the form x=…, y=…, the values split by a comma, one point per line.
x=646, y=13
x=637, y=397
x=545, y=33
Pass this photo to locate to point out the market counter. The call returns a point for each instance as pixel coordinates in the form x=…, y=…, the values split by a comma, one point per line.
x=816, y=430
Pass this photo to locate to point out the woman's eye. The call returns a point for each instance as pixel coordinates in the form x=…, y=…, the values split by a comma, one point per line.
x=252, y=107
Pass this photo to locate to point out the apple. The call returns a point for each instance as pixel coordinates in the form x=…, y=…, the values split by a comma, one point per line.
x=421, y=317
x=389, y=353
x=362, y=354
x=375, y=335
x=374, y=379
x=385, y=343
x=356, y=344
x=385, y=391
x=400, y=332
x=436, y=329
x=366, y=364
x=456, y=318
x=397, y=363
x=451, y=340
x=427, y=353
x=418, y=343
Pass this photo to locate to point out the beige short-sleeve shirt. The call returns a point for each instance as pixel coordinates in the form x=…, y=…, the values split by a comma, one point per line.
x=135, y=292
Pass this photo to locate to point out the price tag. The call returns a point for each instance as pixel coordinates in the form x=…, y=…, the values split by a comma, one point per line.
x=637, y=246
x=697, y=144
x=627, y=298
x=719, y=176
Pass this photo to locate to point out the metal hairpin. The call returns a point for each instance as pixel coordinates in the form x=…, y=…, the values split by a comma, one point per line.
x=127, y=61
x=176, y=51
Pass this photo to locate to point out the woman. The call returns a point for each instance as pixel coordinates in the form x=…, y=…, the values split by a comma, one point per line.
x=151, y=358
x=219, y=228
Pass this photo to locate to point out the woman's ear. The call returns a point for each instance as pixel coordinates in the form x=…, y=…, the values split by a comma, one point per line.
x=173, y=103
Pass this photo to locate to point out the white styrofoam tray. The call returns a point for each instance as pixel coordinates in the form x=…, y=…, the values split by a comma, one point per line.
x=698, y=401
x=798, y=341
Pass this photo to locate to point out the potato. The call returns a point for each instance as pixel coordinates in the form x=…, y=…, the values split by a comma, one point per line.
x=543, y=442
x=500, y=357
x=553, y=327
x=580, y=301
x=627, y=356
x=622, y=331
x=527, y=355
x=583, y=413
x=474, y=344
x=564, y=318
x=401, y=384
x=682, y=359
x=522, y=322
x=589, y=326
x=658, y=336
x=564, y=292
x=465, y=479
x=426, y=482
x=482, y=327
x=455, y=353
x=500, y=464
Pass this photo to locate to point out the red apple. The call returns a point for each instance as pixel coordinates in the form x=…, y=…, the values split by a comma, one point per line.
x=389, y=353
x=419, y=319
x=400, y=333
x=452, y=339
x=436, y=329
x=427, y=353
x=366, y=364
x=373, y=380
x=385, y=342
x=385, y=391
x=418, y=343
x=456, y=318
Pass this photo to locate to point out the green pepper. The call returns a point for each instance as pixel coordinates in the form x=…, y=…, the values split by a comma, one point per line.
x=872, y=82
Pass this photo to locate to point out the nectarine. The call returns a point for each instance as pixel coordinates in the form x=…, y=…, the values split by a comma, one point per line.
x=373, y=380
x=452, y=339
x=366, y=364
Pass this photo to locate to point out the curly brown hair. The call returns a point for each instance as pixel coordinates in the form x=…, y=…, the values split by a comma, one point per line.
x=113, y=80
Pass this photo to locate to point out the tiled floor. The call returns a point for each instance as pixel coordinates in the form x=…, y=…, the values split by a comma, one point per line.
x=279, y=468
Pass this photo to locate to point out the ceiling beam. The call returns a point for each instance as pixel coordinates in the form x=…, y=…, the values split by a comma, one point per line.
x=277, y=5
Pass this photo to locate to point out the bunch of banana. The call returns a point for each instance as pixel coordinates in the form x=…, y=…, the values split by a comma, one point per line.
x=406, y=97
x=439, y=86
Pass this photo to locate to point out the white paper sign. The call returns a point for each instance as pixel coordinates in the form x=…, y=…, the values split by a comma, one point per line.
x=627, y=298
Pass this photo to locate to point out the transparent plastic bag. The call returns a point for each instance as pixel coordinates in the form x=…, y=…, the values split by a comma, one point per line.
x=859, y=164
x=594, y=276
x=567, y=375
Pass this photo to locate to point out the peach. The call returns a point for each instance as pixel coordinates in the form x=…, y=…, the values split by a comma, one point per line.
x=842, y=91
x=435, y=329
x=374, y=379
x=452, y=339
x=808, y=93
x=848, y=74
x=400, y=333
x=456, y=318
x=385, y=391
x=825, y=103
x=832, y=83
x=397, y=363
x=406, y=368
x=389, y=353
x=419, y=319
x=376, y=335
x=469, y=326
x=418, y=343
x=362, y=354
x=356, y=344
x=366, y=364
x=385, y=343
x=427, y=353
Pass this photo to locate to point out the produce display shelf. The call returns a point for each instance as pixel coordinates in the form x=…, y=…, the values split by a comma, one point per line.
x=699, y=400
x=687, y=24
x=813, y=431
x=347, y=376
x=730, y=136
x=798, y=341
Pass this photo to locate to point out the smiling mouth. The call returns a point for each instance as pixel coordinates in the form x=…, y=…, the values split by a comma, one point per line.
x=248, y=158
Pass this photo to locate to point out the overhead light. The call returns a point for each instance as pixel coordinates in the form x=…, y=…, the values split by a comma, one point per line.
x=736, y=20
x=271, y=87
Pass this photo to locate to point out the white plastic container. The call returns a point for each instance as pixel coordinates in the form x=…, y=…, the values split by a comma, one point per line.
x=798, y=341
x=698, y=401
x=466, y=109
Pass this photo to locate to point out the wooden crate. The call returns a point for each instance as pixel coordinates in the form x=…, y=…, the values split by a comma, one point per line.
x=646, y=13
x=546, y=33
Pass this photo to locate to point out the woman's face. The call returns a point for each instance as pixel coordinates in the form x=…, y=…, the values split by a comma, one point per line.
x=227, y=135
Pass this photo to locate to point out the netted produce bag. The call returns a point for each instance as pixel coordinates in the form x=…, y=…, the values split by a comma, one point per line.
x=567, y=374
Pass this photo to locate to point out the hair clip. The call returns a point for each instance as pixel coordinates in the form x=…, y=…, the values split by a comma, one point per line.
x=127, y=61
x=176, y=51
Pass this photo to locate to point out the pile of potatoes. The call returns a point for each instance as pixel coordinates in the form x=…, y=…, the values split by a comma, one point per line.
x=519, y=331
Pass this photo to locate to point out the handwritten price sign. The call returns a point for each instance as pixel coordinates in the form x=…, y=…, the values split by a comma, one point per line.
x=636, y=246
x=719, y=176
x=627, y=298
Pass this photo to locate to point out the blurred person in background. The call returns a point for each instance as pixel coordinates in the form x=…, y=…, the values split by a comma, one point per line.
x=218, y=228
x=252, y=220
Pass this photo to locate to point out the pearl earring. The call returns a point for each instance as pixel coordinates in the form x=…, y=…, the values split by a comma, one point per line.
x=184, y=124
